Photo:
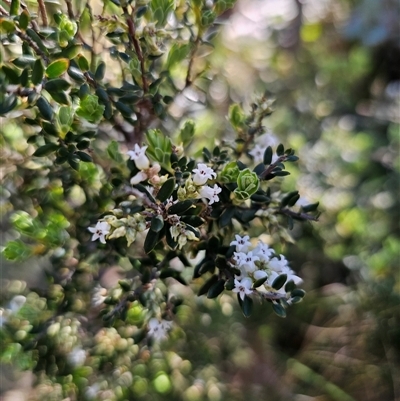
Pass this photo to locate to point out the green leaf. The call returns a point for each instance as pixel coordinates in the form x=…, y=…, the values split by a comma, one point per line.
x=151, y=241
x=207, y=285
x=84, y=156
x=181, y=207
x=24, y=19
x=166, y=190
x=187, y=133
x=44, y=108
x=14, y=8
x=260, y=282
x=226, y=217
x=56, y=68
x=279, y=281
x=280, y=150
x=11, y=74
x=9, y=104
x=177, y=53
x=56, y=84
x=157, y=223
x=76, y=74
x=100, y=71
x=268, y=156
x=83, y=63
x=114, y=153
x=290, y=286
x=298, y=293
x=279, y=309
x=16, y=250
x=246, y=305
x=23, y=61
x=216, y=289
x=286, y=200
x=37, y=72
x=36, y=38
x=6, y=25
x=46, y=149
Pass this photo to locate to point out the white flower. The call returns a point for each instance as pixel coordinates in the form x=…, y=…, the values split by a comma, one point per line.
x=239, y=257
x=242, y=243
x=158, y=329
x=210, y=193
x=16, y=303
x=202, y=174
x=243, y=287
x=267, y=139
x=139, y=156
x=278, y=264
x=77, y=357
x=291, y=275
x=149, y=173
x=258, y=154
x=259, y=274
x=100, y=231
x=263, y=251
x=248, y=262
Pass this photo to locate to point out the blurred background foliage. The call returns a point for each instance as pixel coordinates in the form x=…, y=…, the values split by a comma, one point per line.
x=332, y=67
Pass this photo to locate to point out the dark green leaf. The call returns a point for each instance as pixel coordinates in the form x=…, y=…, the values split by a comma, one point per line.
x=268, y=155
x=44, y=108
x=36, y=38
x=157, y=223
x=279, y=281
x=46, y=149
x=226, y=217
x=57, y=84
x=11, y=75
x=60, y=97
x=181, y=207
x=206, y=286
x=286, y=200
x=84, y=156
x=246, y=305
x=9, y=104
x=49, y=128
x=216, y=289
x=37, y=72
x=280, y=150
x=194, y=221
x=279, y=309
x=100, y=71
x=24, y=61
x=151, y=240
x=298, y=293
x=281, y=173
x=310, y=208
x=290, y=286
x=166, y=190
x=260, y=282
x=76, y=74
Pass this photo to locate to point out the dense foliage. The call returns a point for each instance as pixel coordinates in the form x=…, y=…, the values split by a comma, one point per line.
x=124, y=181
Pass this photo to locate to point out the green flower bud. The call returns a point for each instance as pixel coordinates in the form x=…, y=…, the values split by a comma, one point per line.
x=90, y=109
x=248, y=184
x=229, y=173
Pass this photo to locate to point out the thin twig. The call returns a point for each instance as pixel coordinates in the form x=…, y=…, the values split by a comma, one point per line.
x=270, y=168
x=43, y=12
x=189, y=81
x=33, y=45
x=299, y=215
x=136, y=45
x=4, y=11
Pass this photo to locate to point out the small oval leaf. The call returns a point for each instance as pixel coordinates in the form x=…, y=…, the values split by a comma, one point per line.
x=56, y=68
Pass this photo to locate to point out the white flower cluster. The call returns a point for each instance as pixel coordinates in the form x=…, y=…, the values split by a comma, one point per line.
x=261, y=143
x=158, y=329
x=111, y=226
x=142, y=162
x=196, y=187
x=256, y=264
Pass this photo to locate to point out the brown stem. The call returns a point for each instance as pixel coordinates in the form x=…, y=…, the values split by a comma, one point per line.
x=3, y=11
x=270, y=168
x=303, y=216
x=33, y=45
x=136, y=45
x=191, y=61
x=43, y=12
